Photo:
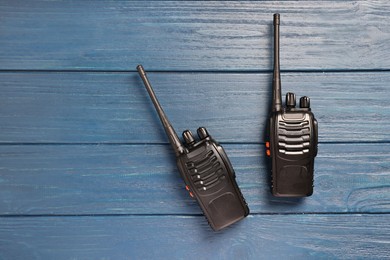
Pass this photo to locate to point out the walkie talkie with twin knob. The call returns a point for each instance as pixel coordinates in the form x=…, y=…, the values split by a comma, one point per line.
x=292, y=138
x=206, y=171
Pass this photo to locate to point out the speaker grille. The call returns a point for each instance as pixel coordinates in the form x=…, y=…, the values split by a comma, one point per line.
x=294, y=137
x=206, y=171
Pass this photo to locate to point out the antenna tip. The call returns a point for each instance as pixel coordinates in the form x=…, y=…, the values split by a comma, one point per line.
x=140, y=68
x=276, y=19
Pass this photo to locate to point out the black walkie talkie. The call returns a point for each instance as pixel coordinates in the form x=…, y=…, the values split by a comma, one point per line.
x=293, y=138
x=206, y=171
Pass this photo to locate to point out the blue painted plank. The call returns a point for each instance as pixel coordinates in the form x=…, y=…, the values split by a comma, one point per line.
x=188, y=35
x=115, y=108
x=143, y=179
x=85, y=171
x=177, y=237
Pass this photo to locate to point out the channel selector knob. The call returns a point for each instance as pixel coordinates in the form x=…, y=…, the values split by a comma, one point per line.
x=188, y=137
x=290, y=100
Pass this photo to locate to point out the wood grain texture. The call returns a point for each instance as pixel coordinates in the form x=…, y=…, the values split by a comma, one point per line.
x=188, y=35
x=176, y=237
x=115, y=108
x=143, y=179
x=85, y=168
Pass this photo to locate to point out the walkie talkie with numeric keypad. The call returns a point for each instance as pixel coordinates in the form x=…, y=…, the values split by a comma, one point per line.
x=206, y=171
x=292, y=138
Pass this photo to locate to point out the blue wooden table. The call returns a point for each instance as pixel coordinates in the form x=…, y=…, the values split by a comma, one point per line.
x=86, y=171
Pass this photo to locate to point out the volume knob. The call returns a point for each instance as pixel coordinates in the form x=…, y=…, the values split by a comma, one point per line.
x=304, y=102
x=202, y=133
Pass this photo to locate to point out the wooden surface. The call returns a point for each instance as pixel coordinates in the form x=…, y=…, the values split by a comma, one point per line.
x=85, y=168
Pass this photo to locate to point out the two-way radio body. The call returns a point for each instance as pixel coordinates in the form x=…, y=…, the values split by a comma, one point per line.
x=292, y=138
x=206, y=170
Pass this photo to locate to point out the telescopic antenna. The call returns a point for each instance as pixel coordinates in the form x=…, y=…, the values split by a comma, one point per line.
x=276, y=87
x=172, y=136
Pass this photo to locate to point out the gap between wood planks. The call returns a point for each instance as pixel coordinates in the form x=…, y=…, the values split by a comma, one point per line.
x=187, y=215
x=195, y=71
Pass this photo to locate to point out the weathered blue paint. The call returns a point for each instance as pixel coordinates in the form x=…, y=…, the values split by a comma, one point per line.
x=85, y=168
